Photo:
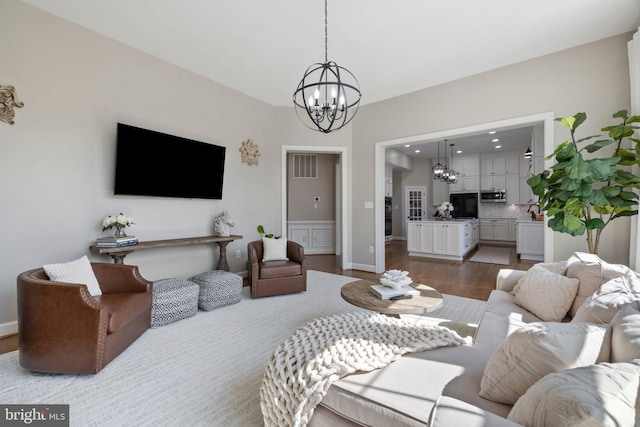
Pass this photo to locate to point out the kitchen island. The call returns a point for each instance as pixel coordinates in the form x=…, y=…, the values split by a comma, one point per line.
x=530, y=240
x=444, y=239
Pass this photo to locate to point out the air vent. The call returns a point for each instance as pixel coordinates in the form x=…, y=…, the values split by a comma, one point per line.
x=305, y=166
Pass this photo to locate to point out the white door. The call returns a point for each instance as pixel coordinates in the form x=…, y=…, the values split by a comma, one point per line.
x=415, y=203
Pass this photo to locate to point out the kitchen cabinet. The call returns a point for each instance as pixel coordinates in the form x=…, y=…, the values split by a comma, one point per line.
x=467, y=167
x=440, y=192
x=446, y=238
x=512, y=164
x=493, y=165
x=526, y=195
x=512, y=231
x=475, y=232
x=451, y=239
x=513, y=189
x=494, y=229
x=420, y=236
x=530, y=240
x=388, y=181
x=493, y=182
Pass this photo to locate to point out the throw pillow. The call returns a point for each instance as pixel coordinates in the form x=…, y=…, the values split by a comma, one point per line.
x=274, y=249
x=589, y=277
x=602, y=395
x=538, y=349
x=78, y=271
x=625, y=333
x=547, y=295
x=559, y=267
x=608, y=299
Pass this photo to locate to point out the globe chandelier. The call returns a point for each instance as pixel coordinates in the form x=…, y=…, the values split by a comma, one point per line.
x=328, y=96
x=452, y=176
x=439, y=169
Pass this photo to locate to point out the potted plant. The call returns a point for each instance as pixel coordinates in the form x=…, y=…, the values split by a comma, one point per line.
x=583, y=195
x=263, y=234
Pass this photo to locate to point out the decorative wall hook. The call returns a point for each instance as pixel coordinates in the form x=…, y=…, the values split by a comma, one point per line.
x=249, y=152
x=8, y=100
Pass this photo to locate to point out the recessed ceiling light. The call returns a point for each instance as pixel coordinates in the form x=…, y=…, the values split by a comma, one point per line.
x=407, y=146
x=417, y=151
x=458, y=151
x=498, y=146
x=492, y=132
x=495, y=140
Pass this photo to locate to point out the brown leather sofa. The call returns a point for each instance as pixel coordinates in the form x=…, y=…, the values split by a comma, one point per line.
x=276, y=277
x=63, y=329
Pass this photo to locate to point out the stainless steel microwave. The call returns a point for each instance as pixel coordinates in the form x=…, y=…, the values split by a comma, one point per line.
x=494, y=196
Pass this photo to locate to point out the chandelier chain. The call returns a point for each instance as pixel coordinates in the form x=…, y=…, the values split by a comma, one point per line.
x=326, y=38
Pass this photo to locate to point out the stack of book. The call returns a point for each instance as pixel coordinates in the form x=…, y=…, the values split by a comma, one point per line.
x=386, y=292
x=115, y=242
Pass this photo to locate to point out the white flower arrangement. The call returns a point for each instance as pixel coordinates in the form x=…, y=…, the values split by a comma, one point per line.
x=445, y=209
x=119, y=222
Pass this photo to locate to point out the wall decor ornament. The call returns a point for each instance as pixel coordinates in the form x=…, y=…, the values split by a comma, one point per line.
x=8, y=101
x=222, y=224
x=249, y=152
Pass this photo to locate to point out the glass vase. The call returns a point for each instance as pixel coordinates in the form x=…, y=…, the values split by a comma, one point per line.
x=120, y=232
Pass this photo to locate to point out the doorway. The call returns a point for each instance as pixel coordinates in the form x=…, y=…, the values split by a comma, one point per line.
x=341, y=206
x=546, y=119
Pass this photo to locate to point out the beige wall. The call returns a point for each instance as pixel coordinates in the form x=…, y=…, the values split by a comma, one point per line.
x=593, y=78
x=301, y=192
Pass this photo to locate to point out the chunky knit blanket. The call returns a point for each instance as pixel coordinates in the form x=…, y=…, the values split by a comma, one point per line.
x=303, y=367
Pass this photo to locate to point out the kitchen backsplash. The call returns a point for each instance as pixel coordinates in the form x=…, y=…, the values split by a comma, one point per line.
x=504, y=210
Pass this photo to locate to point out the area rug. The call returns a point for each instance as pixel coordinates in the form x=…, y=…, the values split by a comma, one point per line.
x=204, y=370
x=492, y=255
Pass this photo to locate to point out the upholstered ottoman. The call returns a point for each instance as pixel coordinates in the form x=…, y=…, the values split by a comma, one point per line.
x=217, y=289
x=172, y=300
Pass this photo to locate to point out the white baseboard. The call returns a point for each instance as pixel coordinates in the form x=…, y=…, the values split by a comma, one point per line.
x=8, y=328
x=363, y=267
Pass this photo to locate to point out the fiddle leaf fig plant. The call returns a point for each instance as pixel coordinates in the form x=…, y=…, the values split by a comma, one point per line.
x=583, y=195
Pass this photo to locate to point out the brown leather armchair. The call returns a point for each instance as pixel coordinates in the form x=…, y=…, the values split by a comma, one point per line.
x=276, y=277
x=63, y=329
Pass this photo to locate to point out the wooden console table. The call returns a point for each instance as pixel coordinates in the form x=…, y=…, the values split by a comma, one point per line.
x=118, y=254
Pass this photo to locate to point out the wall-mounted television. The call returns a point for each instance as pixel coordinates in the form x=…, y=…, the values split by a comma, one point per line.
x=150, y=163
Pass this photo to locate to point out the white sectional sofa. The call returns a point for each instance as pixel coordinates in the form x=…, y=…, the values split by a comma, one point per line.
x=515, y=347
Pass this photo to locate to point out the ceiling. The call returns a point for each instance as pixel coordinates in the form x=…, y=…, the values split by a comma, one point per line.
x=262, y=48
x=508, y=139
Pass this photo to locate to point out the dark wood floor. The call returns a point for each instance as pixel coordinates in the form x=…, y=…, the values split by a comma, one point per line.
x=461, y=278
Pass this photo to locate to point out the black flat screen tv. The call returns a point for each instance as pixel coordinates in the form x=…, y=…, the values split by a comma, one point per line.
x=150, y=163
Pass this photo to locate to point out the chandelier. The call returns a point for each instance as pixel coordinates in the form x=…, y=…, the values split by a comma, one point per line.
x=439, y=169
x=453, y=176
x=328, y=96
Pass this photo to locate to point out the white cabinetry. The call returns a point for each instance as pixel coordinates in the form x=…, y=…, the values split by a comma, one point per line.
x=440, y=239
x=494, y=229
x=494, y=182
x=530, y=241
x=388, y=181
x=493, y=165
x=316, y=237
x=420, y=237
x=512, y=230
x=440, y=192
x=467, y=167
x=513, y=188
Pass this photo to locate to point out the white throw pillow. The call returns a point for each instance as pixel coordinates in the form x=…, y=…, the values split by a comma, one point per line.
x=590, y=278
x=78, y=271
x=625, y=333
x=538, y=349
x=274, y=249
x=559, y=267
x=595, y=395
x=546, y=294
x=608, y=299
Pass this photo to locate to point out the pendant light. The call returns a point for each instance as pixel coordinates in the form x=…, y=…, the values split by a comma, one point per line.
x=453, y=175
x=328, y=96
x=528, y=154
x=438, y=169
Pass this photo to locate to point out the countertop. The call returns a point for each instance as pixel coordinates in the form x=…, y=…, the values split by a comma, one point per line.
x=461, y=220
x=530, y=221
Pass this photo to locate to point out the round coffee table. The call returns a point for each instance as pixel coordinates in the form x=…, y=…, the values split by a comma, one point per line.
x=359, y=294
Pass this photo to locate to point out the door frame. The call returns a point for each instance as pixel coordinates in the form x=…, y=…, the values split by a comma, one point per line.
x=546, y=118
x=342, y=223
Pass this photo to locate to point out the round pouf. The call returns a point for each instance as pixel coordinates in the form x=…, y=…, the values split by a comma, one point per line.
x=172, y=300
x=217, y=289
